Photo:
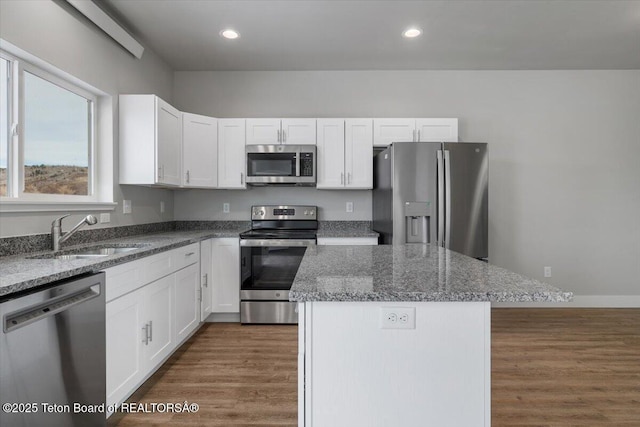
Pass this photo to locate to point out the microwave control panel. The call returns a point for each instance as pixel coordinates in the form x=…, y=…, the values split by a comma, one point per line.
x=306, y=164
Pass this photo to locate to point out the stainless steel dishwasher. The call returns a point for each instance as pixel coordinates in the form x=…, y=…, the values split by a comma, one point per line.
x=52, y=355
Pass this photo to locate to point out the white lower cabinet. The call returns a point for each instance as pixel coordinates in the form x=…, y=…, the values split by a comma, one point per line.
x=187, y=301
x=148, y=317
x=347, y=241
x=124, y=335
x=226, y=275
x=206, y=275
x=158, y=321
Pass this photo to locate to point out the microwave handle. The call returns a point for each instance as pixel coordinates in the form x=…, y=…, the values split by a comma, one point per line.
x=298, y=160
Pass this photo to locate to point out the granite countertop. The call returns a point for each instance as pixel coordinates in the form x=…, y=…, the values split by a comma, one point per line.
x=23, y=272
x=346, y=229
x=411, y=272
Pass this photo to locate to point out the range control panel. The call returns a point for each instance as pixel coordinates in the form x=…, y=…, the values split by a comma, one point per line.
x=284, y=212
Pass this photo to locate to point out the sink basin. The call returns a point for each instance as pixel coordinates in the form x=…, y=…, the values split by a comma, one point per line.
x=89, y=253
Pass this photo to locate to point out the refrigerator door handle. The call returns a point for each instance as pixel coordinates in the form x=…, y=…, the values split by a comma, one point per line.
x=447, y=195
x=440, y=237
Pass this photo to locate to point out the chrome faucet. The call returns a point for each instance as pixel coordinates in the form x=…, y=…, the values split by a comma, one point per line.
x=56, y=229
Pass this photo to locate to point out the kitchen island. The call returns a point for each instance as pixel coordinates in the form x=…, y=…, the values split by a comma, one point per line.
x=399, y=335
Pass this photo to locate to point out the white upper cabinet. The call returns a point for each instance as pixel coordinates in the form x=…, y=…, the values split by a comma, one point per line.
x=437, y=130
x=199, y=151
x=298, y=131
x=150, y=140
x=330, y=152
x=386, y=131
x=358, y=154
x=345, y=154
x=281, y=131
x=231, y=155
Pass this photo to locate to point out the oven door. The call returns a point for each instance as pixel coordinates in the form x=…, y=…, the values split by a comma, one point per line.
x=268, y=267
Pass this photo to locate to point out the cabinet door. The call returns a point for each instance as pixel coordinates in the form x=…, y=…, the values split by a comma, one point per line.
x=226, y=275
x=206, y=259
x=386, y=131
x=263, y=131
x=231, y=155
x=168, y=143
x=358, y=157
x=437, y=130
x=298, y=131
x=330, y=152
x=199, y=151
x=124, y=336
x=187, y=301
x=159, y=320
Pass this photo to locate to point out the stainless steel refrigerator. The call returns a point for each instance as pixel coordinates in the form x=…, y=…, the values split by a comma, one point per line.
x=432, y=192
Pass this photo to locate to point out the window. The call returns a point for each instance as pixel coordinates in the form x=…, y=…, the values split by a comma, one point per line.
x=47, y=135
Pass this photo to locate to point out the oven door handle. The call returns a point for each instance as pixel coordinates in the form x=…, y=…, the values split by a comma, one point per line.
x=256, y=243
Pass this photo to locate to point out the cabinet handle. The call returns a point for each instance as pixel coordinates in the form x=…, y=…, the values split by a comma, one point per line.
x=278, y=135
x=341, y=178
x=188, y=177
x=189, y=254
x=150, y=330
x=200, y=295
x=205, y=280
x=418, y=140
x=241, y=178
x=146, y=334
x=284, y=136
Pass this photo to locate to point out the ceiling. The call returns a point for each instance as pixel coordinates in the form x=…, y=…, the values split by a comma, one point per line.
x=366, y=35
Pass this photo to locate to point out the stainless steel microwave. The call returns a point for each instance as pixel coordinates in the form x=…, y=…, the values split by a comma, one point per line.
x=281, y=164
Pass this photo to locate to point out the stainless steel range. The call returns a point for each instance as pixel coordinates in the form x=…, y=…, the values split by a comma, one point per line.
x=270, y=254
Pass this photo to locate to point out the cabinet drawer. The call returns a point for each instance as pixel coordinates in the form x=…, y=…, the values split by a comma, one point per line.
x=124, y=278
x=185, y=256
x=159, y=265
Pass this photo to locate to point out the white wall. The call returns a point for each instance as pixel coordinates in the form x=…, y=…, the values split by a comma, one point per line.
x=57, y=34
x=564, y=153
x=207, y=204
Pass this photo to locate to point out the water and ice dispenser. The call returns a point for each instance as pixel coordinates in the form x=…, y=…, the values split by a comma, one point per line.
x=417, y=217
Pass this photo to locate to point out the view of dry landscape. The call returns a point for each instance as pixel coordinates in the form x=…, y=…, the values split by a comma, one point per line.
x=45, y=179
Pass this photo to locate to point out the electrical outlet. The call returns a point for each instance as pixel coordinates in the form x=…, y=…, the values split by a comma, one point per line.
x=349, y=206
x=547, y=272
x=225, y=207
x=126, y=206
x=162, y=206
x=105, y=218
x=397, y=318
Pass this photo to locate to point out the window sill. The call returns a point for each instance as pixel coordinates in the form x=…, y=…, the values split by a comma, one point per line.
x=14, y=206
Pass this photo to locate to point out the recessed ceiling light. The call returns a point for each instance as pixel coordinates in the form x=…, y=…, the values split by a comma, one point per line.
x=411, y=32
x=229, y=34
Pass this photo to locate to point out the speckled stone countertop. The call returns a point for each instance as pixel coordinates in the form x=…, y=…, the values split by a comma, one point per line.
x=346, y=229
x=23, y=272
x=412, y=272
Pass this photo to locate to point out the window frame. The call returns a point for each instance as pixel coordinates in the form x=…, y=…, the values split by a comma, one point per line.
x=16, y=199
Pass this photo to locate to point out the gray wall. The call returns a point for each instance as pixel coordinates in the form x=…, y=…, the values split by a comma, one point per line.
x=56, y=33
x=564, y=154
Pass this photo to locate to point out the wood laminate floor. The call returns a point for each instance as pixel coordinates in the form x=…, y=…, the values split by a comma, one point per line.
x=550, y=367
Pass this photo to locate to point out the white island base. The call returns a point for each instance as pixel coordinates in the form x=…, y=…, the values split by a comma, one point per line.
x=352, y=372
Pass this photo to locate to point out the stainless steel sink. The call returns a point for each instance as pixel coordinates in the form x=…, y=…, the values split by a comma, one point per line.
x=89, y=253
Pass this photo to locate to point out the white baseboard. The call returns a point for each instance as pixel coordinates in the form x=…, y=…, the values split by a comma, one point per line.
x=223, y=318
x=579, y=301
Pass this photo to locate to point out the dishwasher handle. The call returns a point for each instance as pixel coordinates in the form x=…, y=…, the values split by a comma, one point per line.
x=50, y=307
